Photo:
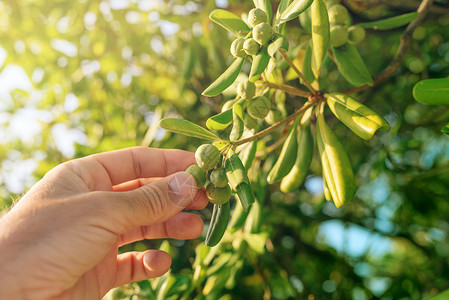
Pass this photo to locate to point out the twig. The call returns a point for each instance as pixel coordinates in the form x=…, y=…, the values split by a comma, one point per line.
x=275, y=126
x=300, y=75
x=402, y=50
x=288, y=89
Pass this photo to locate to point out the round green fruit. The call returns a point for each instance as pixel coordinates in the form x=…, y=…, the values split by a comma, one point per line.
x=262, y=33
x=257, y=16
x=217, y=195
x=207, y=156
x=246, y=89
x=250, y=122
x=251, y=47
x=356, y=34
x=274, y=116
x=259, y=107
x=218, y=178
x=199, y=174
x=338, y=35
x=338, y=14
x=237, y=48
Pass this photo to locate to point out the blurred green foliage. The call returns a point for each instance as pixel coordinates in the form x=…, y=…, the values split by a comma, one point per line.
x=81, y=77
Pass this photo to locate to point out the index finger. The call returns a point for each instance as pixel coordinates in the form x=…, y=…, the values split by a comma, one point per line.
x=138, y=162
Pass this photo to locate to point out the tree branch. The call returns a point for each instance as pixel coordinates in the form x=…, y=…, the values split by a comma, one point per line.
x=288, y=89
x=300, y=75
x=275, y=126
x=402, y=50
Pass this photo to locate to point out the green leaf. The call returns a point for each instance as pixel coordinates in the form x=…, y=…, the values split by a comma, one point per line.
x=320, y=34
x=445, y=129
x=225, y=79
x=264, y=5
x=260, y=63
x=362, y=120
x=245, y=195
x=278, y=42
x=337, y=169
x=220, y=121
x=235, y=171
x=307, y=64
x=391, y=23
x=293, y=10
x=237, y=121
x=187, y=128
x=230, y=22
x=432, y=91
x=287, y=157
x=351, y=65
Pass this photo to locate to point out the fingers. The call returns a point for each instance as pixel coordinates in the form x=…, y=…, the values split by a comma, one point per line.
x=131, y=163
x=183, y=226
x=198, y=203
x=150, y=204
x=137, y=266
x=134, y=184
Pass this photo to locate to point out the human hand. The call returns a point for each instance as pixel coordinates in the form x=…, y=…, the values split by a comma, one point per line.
x=61, y=239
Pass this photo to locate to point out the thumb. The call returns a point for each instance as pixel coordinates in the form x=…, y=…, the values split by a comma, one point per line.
x=159, y=200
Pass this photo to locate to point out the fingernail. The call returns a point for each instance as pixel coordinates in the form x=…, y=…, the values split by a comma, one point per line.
x=182, y=189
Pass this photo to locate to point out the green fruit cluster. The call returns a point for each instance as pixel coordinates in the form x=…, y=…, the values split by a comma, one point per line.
x=340, y=33
x=210, y=173
x=261, y=35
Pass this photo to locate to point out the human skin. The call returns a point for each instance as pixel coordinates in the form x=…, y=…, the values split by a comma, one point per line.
x=61, y=240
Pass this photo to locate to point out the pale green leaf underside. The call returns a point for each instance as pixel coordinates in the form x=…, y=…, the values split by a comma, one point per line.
x=362, y=120
x=294, y=9
x=229, y=21
x=187, y=128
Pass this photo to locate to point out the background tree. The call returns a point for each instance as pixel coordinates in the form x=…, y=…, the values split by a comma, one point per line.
x=80, y=77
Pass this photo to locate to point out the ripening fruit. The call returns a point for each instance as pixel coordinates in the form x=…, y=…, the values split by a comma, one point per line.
x=251, y=47
x=259, y=107
x=217, y=195
x=246, y=89
x=218, y=177
x=338, y=14
x=207, y=156
x=262, y=33
x=257, y=16
x=198, y=173
x=356, y=34
x=237, y=48
x=274, y=116
x=338, y=35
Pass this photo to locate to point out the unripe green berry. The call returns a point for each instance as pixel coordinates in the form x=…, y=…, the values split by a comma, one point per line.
x=251, y=47
x=338, y=35
x=237, y=48
x=207, y=156
x=259, y=107
x=273, y=116
x=338, y=14
x=217, y=195
x=218, y=177
x=250, y=122
x=356, y=34
x=199, y=174
x=262, y=33
x=257, y=16
x=246, y=89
